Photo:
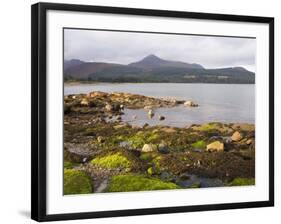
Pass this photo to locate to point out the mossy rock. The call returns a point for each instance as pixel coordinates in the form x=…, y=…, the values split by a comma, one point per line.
x=207, y=127
x=150, y=171
x=76, y=182
x=125, y=183
x=142, y=138
x=199, y=144
x=148, y=156
x=112, y=161
x=157, y=163
x=242, y=181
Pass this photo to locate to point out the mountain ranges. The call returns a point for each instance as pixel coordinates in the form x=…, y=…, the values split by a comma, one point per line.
x=154, y=69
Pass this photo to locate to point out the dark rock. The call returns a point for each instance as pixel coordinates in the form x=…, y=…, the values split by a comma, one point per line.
x=145, y=125
x=67, y=109
x=166, y=176
x=184, y=176
x=163, y=149
x=161, y=118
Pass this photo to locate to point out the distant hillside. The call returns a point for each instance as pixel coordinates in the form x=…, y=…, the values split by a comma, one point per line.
x=72, y=63
x=154, y=69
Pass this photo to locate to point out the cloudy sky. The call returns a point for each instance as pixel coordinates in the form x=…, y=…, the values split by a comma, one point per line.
x=125, y=47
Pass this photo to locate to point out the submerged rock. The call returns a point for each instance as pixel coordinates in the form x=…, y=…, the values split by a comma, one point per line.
x=161, y=118
x=150, y=114
x=215, y=146
x=134, y=117
x=190, y=103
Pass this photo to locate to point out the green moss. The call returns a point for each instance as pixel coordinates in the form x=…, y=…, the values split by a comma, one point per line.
x=242, y=182
x=117, y=160
x=76, y=182
x=141, y=138
x=146, y=156
x=117, y=139
x=207, y=127
x=124, y=183
x=150, y=171
x=199, y=144
x=156, y=162
x=67, y=165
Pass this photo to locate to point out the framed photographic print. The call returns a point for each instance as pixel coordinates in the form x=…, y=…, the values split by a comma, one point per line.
x=139, y=111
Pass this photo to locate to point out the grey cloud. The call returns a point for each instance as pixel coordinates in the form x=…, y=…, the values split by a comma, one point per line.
x=126, y=47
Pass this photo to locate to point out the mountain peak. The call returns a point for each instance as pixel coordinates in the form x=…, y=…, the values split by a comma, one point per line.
x=152, y=61
x=152, y=57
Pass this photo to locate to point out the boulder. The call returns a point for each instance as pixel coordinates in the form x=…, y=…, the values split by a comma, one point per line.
x=149, y=148
x=100, y=139
x=147, y=107
x=150, y=113
x=249, y=141
x=96, y=94
x=162, y=148
x=226, y=139
x=190, y=103
x=77, y=153
x=215, y=146
x=84, y=102
x=108, y=107
x=236, y=136
x=161, y=118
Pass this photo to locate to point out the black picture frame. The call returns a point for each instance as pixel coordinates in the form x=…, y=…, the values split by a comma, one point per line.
x=39, y=122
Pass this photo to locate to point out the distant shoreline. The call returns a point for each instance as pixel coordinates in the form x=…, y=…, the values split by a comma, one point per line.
x=72, y=83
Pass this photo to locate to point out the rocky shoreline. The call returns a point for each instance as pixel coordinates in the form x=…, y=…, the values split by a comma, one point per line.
x=104, y=154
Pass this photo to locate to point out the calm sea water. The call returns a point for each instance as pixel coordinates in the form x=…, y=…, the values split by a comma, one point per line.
x=217, y=102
